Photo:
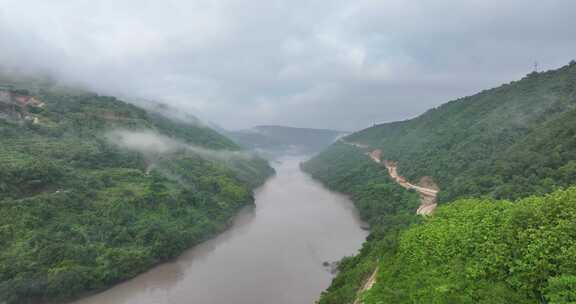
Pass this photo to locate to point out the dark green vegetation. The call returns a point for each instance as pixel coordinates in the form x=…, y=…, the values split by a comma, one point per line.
x=279, y=139
x=344, y=168
x=80, y=213
x=509, y=142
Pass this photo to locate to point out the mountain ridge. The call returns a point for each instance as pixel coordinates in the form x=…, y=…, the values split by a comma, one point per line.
x=508, y=143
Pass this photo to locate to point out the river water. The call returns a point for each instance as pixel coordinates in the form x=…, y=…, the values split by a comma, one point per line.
x=272, y=254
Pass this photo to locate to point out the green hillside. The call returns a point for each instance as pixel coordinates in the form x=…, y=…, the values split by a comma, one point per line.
x=486, y=251
x=81, y=212
x=509, y=142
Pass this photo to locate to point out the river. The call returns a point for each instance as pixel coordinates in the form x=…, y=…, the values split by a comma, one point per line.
x=273, y=252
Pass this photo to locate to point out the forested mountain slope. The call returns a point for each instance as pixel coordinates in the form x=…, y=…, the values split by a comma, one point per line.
x=94, y=190
x=505, y=143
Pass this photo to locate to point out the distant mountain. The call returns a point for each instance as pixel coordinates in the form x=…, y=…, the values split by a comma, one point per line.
x=281, y=139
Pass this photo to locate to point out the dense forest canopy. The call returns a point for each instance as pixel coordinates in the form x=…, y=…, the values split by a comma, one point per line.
x=510, y=142
x=486, y=251
x=80, y=212
x=506, y=142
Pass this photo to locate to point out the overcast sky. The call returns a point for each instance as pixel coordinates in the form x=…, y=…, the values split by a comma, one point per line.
x=330, y=64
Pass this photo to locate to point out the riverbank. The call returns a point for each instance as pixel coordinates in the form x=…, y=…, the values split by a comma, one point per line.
x=271, y=254
x=382, y=202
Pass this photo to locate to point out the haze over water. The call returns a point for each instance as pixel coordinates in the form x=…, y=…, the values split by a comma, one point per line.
x=273, y=253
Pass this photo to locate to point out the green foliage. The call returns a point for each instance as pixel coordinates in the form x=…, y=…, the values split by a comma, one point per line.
x=386, y=206
x=485, y=251
x=345, y=169
x=561, y=290
x=80, y=214
x=193, y=133
x=506, y=143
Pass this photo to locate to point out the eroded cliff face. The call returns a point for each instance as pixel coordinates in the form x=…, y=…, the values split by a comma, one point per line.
x=19, y=105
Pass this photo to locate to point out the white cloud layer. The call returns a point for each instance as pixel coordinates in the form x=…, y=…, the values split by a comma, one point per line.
x=332, y=64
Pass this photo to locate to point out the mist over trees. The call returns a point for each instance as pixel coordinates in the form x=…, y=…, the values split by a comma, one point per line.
x=85, y=205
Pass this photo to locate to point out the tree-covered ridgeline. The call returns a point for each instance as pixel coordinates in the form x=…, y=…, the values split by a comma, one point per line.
x=80, y=213
x=510, y=142
x=507, y=142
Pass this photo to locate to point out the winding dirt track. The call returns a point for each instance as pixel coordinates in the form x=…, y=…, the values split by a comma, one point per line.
x=367, y=285
x=427, y=190
x=427, y=195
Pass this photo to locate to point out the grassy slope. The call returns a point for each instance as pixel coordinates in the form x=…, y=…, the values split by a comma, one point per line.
x=80, y=214
x=509, y=142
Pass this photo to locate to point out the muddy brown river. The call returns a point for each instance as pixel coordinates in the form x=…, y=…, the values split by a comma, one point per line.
x=273, y=253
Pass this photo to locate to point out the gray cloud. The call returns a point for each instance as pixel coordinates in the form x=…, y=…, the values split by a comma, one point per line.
x=332, y=64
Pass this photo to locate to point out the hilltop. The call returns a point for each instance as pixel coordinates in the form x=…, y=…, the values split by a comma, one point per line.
x=509, y=142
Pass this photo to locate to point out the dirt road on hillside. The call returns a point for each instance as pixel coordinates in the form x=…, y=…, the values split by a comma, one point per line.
x=427, y=189
x=367, y=285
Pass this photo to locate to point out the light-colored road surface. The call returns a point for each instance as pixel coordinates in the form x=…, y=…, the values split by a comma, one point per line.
x=367, y=285
x=427, y=200
x=427, y=194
